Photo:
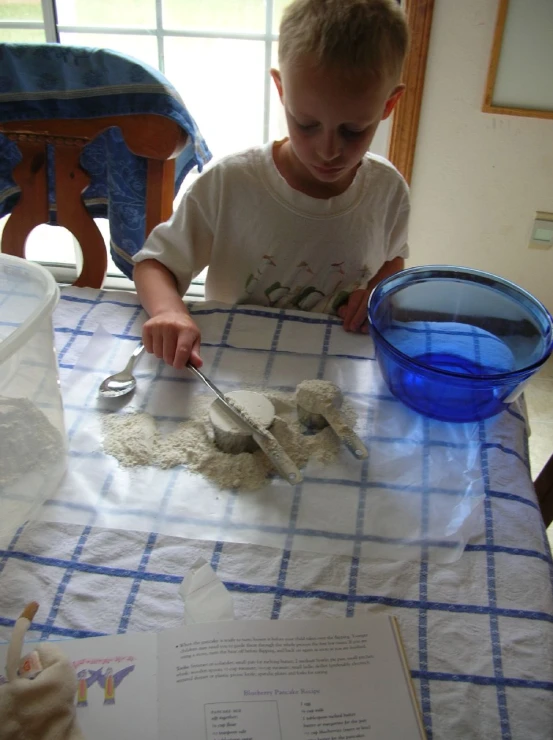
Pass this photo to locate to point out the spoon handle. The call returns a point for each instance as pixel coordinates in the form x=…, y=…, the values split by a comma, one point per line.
x=345, y=432
x=133, y=358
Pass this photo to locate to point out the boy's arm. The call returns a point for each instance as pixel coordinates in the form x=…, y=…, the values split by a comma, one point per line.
x=396, y=221
x=173, y=252
x=170, y=333
x=354, y=312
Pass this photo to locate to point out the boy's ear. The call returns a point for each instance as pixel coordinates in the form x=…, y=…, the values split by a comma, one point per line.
x=392, y=101
x=277, y=79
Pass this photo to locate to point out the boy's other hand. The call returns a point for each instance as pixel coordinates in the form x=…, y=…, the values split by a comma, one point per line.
x=354, y=312
x=173, y=336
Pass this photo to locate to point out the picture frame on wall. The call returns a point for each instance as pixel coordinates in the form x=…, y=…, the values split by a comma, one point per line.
x=520, y=82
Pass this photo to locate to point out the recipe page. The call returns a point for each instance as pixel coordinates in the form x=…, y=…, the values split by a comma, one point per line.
x=337, y=679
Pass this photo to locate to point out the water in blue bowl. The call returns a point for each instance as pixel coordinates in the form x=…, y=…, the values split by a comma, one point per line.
x=457, y=344
x=455, y=364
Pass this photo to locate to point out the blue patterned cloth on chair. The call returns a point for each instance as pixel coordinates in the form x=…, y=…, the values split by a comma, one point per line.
x=44, y=81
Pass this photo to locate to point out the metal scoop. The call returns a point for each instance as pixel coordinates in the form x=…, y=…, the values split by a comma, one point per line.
x=319, y=404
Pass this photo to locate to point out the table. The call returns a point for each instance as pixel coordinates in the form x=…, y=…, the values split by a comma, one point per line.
x=478, y=631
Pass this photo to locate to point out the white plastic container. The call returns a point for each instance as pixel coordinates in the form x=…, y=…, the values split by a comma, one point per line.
x=33, y=446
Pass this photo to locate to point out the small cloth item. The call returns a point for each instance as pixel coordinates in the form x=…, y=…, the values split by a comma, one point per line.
x=42, y=707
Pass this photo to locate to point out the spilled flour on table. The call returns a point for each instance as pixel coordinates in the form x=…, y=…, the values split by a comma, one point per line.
x=135, y=439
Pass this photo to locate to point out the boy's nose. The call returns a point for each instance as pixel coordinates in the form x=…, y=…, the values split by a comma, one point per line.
x=329, y=147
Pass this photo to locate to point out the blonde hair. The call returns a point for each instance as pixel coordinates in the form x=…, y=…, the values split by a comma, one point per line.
x=355, y=36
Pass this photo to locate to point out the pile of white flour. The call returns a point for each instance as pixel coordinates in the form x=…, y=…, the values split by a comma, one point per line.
x=134, y=439
x=28, y=441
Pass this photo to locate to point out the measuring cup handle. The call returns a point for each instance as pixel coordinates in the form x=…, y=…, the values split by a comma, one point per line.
x=351, y=440
x=284, y=465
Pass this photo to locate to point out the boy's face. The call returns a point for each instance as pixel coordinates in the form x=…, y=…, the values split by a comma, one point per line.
x=331, y=122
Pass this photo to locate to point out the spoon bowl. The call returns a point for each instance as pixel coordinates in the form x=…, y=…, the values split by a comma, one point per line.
x=122, y=382
x=117, y=385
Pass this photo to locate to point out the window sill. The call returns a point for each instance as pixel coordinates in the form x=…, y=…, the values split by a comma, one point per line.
x=65, y=274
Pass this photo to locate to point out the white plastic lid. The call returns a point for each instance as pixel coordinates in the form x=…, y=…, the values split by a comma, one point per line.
x=27, y=293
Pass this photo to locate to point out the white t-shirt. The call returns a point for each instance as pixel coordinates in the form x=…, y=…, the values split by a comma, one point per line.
x=268, y=244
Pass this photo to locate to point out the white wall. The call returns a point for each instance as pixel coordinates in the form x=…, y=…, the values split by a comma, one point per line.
x=381, y=141
x=478, y=178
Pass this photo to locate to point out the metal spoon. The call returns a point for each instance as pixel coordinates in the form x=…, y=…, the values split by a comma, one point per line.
x=123, y=382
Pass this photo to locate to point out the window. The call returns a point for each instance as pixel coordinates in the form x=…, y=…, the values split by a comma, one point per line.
x=217, y=53
x=22, y=22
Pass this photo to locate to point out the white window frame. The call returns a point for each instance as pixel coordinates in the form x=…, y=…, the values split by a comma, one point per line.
x=53, y=30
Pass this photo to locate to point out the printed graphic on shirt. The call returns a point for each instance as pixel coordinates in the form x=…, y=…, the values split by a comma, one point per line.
x=324, y=290
x=254, y=278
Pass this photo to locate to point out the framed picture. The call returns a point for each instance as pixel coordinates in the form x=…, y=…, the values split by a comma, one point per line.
x=520, y=76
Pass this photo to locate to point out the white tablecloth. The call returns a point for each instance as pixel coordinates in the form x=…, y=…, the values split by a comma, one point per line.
x=478, y=631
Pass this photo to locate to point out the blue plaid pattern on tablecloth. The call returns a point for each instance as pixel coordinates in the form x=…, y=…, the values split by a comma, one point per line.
x=478, y=632
x=421, y=487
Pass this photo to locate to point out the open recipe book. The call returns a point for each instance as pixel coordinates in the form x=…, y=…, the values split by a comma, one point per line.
x=337, y=679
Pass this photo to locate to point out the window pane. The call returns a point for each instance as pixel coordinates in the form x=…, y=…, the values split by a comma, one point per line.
x=22, y=35
x=277, y=119
x=14, y=10
x=143, y=48
x=278, y=7
x=130, y=13
x=237, y=15
x=51, y=244
x=221, y=83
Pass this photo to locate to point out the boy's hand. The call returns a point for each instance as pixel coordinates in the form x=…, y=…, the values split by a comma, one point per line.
x=354, y=312
x=173, y=336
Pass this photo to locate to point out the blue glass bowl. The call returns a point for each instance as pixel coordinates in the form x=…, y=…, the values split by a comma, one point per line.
x=457, y=344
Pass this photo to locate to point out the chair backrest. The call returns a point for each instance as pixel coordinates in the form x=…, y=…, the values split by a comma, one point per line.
x=62, y=99
x=142, y=133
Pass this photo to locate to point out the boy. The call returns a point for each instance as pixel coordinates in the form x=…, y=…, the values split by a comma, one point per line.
x=311, y=222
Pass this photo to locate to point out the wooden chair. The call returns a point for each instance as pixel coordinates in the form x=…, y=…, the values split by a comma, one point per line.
x=157, y=138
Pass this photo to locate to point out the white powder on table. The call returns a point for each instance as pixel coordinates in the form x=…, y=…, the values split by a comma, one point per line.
x=130, y=438
x=28, y=441
x=134, y=439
